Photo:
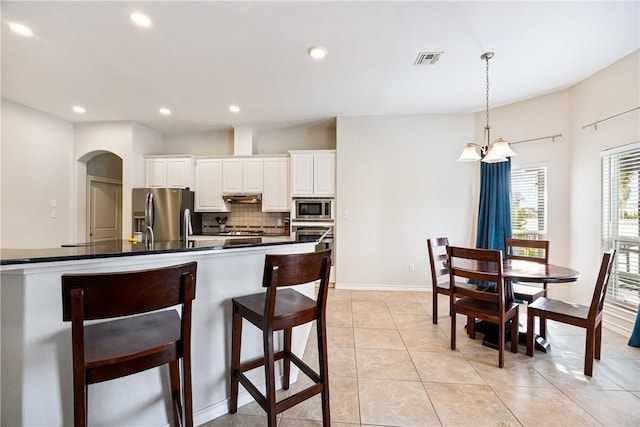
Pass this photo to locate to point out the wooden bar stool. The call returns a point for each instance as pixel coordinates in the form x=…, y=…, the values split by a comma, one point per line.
x=117, y=348
x=283, y=309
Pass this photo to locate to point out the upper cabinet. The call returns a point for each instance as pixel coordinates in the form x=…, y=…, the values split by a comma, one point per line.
x=242, y=175
x=208, y=189
x=275, y=197
x=313, y=173
x=174, y=172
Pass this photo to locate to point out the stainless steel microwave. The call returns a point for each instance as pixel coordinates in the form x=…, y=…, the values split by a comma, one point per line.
x=314, y=209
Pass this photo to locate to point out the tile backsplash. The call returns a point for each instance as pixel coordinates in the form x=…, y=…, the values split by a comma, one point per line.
x=243, y=216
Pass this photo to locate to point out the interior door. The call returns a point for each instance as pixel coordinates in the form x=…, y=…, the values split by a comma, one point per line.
x=105, y=212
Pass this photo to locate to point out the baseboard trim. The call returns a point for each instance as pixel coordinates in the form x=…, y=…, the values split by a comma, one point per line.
x=382, y=287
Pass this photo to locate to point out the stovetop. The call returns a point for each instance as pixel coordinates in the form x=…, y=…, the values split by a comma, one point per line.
x=242, y=233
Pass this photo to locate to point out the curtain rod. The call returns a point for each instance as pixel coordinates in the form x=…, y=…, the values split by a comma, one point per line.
x=551, y=137
x=595, y=124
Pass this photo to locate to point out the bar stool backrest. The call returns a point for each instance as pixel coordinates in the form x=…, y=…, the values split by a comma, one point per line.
x=296, y=269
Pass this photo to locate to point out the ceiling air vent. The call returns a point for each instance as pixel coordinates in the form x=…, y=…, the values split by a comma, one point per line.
x=428, y=58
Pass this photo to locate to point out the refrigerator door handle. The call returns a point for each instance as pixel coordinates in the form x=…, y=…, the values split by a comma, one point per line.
x=148, y=210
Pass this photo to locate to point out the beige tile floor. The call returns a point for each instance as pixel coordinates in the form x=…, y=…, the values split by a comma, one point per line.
x=391, y=366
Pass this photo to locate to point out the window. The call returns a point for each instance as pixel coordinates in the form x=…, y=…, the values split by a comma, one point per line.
x=620, y=216
x=529, y=203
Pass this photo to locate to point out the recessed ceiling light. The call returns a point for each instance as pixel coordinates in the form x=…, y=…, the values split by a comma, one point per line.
x=23, y=30
x=165, y=111
x=78, y=109
x=317, y=52
x=141, y=19
x=234, y=109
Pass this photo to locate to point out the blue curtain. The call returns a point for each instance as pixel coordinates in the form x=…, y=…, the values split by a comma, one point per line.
x=634, y=341
x=494, y=214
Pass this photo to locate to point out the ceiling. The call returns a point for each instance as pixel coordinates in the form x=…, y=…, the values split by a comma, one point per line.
x=198, y=58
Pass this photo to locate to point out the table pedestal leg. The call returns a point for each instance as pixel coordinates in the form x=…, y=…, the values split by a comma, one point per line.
x=490, y=339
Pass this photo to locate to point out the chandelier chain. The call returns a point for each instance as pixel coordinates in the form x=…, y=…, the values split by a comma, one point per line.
x=487, y=94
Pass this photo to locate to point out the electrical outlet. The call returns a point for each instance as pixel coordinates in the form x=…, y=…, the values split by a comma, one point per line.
x=53, y=214
x=412, y=268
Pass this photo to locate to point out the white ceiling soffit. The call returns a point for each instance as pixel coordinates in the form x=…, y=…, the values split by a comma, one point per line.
x=198, y=58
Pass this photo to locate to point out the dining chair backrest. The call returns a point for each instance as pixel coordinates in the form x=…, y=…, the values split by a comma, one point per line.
x=437, y=258
x=528, y=250
x=481, y=266
x=600, y=290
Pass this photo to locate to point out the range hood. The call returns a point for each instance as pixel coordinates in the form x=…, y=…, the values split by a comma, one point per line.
x=243, y=198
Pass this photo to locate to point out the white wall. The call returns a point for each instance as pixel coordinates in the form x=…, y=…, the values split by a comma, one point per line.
x=37, y=167
x=91, y=139
x=280, y=141
x=611, y=91
x=399, y=183
x=128, y=140
x=265, y=141
x=145, y=141
x=213, y=143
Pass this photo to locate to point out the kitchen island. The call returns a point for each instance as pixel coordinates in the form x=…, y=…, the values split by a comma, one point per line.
x=36, y=377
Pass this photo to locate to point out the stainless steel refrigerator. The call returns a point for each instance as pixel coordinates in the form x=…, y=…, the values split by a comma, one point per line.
x=162, y=209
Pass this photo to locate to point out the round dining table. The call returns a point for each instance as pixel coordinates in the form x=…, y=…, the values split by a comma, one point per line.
x=514, y=270
x=534, y=272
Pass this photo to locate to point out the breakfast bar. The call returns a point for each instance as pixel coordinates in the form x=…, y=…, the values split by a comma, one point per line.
x=36, y=375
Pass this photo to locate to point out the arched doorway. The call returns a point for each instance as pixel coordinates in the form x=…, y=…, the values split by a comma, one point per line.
x=104, y=197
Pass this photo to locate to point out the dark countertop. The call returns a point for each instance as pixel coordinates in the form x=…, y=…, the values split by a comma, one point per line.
x=120, y=248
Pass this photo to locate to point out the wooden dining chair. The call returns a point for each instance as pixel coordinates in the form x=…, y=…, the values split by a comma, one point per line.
x=437, y=249
x=282, y=309
x=535, y=251
x=588, y=317
x=143, y=336
x=485, y=303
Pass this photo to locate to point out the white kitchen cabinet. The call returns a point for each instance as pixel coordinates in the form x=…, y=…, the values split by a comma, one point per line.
x=313, y=173
x=176, y=172
x=275, y=195
x=156, y=172
x=242, y=175
x=208, y=186
x=324, y=172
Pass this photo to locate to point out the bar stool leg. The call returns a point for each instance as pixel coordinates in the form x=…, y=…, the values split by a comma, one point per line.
x=286, y=361
x=269, y=370
x=324, y=371
x=188, y=398
x=235, y=360
x=176, y=405
x=80, y=397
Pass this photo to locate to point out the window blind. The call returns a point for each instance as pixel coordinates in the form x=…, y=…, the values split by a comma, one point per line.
x=620, y=222
x=529, y=203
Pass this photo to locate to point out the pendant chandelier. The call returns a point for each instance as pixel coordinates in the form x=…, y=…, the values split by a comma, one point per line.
x=490, y=152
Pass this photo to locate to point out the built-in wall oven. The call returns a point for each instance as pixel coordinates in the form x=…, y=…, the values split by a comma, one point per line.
x=323, y=235
x=313, y=209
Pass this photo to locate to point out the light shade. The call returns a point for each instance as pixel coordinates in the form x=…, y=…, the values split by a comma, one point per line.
x=469, y=154
x=493, y=156
x=502, y=148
